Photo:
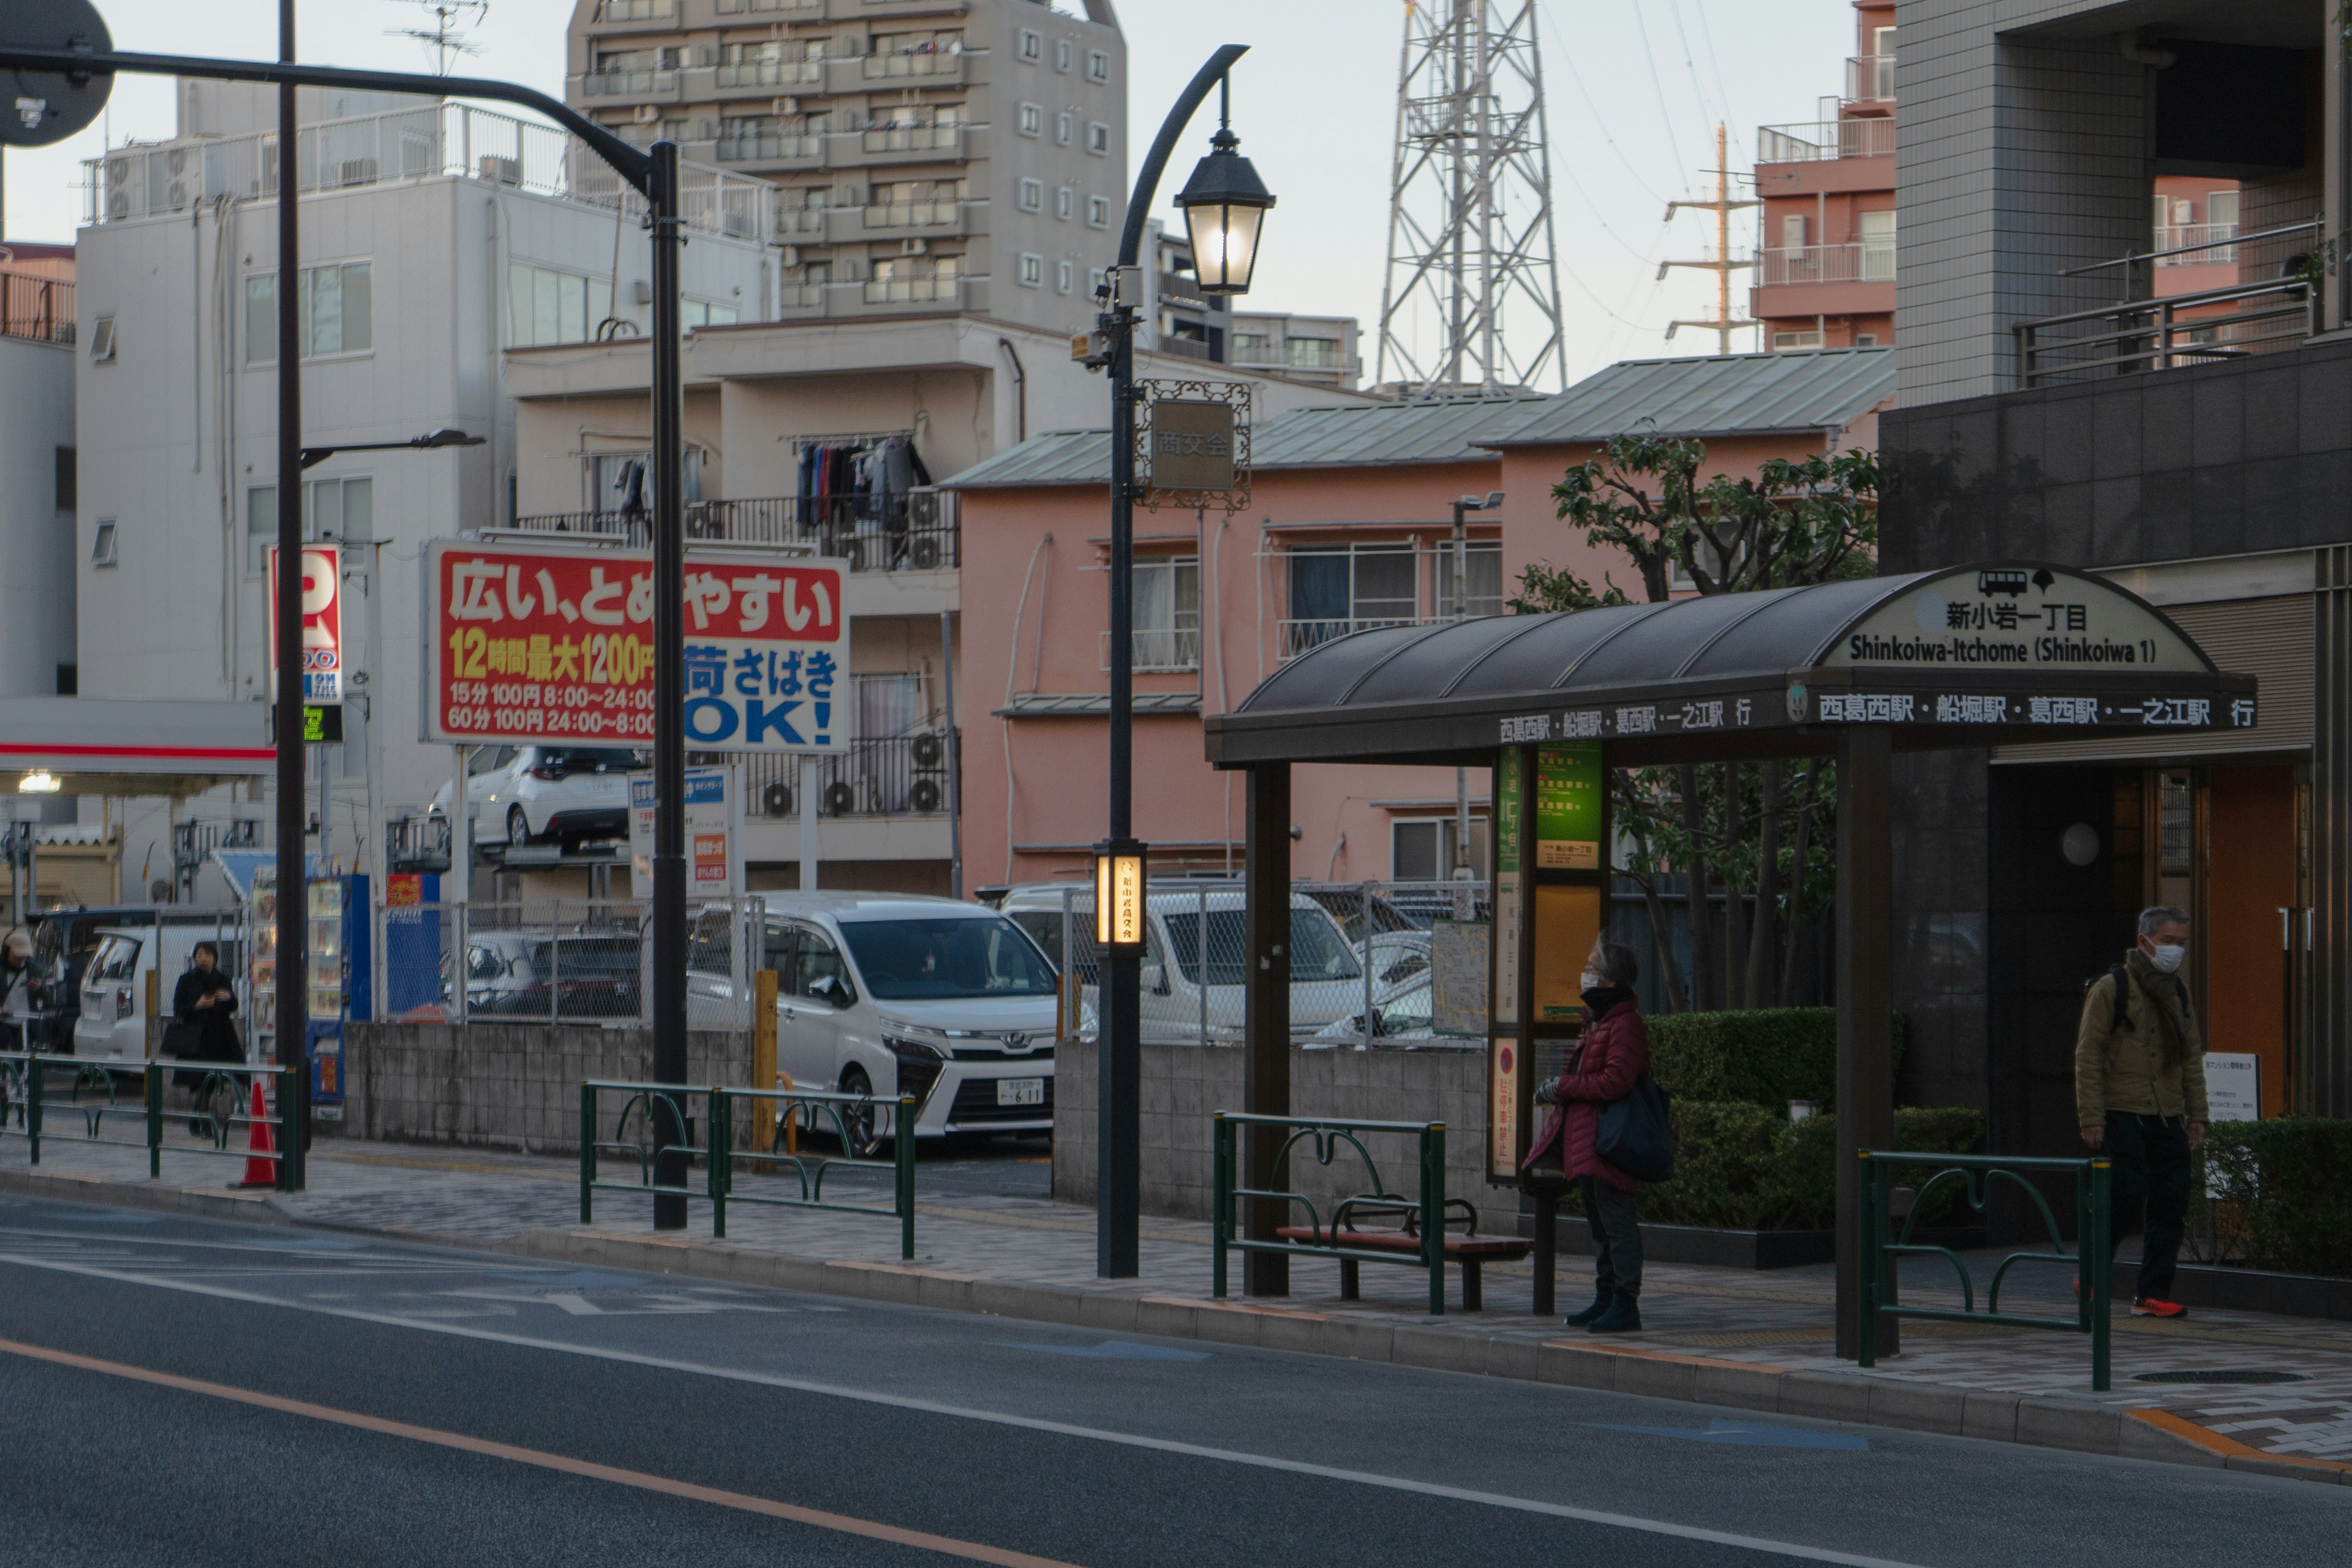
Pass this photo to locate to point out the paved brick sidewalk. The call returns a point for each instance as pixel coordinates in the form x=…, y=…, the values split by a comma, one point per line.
x=1711, y=1328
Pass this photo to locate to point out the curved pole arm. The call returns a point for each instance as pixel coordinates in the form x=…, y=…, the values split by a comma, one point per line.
x=631, y=164
x=1147, y=183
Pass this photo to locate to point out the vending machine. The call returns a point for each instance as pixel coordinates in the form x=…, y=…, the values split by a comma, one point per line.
x=336, y=943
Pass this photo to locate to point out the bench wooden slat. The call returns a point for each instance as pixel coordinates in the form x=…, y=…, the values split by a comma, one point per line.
x=1511, y=1248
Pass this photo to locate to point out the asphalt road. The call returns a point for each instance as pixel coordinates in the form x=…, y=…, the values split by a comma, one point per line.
x=185, y=1391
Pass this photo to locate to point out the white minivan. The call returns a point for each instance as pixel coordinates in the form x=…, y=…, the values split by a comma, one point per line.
x=1193, y=965
x=895, y=994
x=112, y=1023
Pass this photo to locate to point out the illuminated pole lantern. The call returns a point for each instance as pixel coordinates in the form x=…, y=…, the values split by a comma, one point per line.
x=1118, y=895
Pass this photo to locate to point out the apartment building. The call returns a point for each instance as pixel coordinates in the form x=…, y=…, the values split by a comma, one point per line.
x=1318, y=349
x=434, y=237
x=2195, y=445
x=928, y=154
x=37, y=454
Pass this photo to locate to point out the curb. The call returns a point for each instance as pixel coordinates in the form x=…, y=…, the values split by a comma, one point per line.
x=2037, y=1421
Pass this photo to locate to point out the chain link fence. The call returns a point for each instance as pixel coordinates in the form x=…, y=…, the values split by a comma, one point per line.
x=1360, y=959
x=585, y=961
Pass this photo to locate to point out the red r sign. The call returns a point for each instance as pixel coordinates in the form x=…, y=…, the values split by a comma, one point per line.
x=322, y=624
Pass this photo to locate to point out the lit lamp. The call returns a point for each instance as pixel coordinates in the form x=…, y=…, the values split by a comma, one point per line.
x=40, y=781
x=1118, y=895
x=1225, y=203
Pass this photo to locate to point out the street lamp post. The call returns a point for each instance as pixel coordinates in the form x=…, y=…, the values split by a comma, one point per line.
x=1224, y=204
x=1461, y=869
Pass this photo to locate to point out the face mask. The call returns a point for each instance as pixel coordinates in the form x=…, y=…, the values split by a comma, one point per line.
x=2166, y=958
x=1590, y=980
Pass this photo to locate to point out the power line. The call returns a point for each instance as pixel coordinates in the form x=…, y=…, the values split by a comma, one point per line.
x=1584, y=96
x=1650, y=57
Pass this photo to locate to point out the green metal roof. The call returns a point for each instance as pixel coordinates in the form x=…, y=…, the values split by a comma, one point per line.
x=1716, y=396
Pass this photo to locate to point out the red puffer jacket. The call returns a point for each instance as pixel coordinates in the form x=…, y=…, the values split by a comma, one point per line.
x=1616, y=1052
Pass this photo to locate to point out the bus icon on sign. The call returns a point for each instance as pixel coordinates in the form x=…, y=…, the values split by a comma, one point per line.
x=2011, y=582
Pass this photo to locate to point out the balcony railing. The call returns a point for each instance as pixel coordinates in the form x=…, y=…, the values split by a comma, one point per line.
x=770, y=73
x=41, y=308
x=800, y=220
x=1826, y=264
x=911, y=291
x=1870, y=78
x=1825, y=139
x=627, y=84
x=442, y=140
x=1295, y=637
x=913, y=138
x=2196, y=245
x=1159, y=650
x=900, y=775
x=763, y=148
x=913, y=215
x=738, y=8
x=919, y=532
x=929, y=62
x=800, y=297
x=2166, y=335
x=636, y=10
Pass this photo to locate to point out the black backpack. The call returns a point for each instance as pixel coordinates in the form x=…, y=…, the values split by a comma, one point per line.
x=2122, y=978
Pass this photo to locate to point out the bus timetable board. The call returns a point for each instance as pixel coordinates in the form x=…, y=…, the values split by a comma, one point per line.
x=535, y=642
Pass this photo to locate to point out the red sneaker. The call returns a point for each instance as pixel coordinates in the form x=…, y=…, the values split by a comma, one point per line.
x=2151, y=1307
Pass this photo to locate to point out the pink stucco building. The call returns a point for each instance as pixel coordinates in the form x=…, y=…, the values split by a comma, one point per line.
x=1347, y=526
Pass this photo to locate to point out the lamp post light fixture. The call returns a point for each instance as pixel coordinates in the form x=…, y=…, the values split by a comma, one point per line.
x=40, y=781
x=1224, y=206
x=313, y=456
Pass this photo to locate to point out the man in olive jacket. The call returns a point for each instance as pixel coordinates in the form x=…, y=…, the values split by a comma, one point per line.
x=2139, y=1095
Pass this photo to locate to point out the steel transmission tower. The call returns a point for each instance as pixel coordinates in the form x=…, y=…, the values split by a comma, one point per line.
x=1470, y=230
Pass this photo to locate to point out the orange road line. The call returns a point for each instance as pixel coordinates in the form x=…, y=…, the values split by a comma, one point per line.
x=2229, y=1447
x=846, y=1524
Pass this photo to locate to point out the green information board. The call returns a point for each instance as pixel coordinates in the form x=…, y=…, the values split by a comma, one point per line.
x=1568, y=783
x=1507, y=810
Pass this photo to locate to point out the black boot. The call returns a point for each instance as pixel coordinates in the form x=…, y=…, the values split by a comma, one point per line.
x=1601, y=1297
x=1624, y=1316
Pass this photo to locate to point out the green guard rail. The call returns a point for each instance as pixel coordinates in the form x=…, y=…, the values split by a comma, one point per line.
x=222, y=1104
x=1328, y=1135
x=1976, y=1174
x=718, y=1153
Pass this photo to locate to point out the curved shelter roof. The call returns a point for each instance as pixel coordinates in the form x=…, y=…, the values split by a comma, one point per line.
x=1966, y=655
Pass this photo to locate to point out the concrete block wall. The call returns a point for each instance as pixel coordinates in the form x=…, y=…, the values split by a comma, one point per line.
x=507, y=1086
x=2018, y=154
x=1185, y=1085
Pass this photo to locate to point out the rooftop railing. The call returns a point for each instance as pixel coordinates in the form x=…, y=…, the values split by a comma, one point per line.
x=2181, y=329
x=41, y=308
x=442, y=140
x=1825, y=139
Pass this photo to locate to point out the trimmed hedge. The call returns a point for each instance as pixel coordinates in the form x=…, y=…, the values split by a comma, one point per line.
x=1745, y=1167
x=1765, y=1056
x=2279, y=1194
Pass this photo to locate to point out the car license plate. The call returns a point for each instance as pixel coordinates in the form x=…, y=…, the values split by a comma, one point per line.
x=1021, y=1091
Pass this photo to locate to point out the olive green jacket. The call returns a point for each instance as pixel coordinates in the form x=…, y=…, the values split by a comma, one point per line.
x=2124, y=1069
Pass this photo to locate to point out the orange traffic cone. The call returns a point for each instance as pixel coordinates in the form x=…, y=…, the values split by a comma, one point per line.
x=258, y=1172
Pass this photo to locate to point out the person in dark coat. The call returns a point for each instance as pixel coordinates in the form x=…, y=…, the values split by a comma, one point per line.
x=1613, y=1053
x=206, y=1002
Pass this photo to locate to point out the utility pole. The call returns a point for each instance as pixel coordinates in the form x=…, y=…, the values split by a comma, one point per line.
x=1722, y=263
x=293, y=967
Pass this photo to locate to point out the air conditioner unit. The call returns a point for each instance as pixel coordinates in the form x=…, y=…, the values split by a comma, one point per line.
x=502, y=171
x=176, y=197
x=118, y=172
x=118, y=205
x=179, y=159
x=647, y=114
x=913, y=246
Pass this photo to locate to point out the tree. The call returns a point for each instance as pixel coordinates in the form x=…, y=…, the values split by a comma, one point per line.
x=1794, y=522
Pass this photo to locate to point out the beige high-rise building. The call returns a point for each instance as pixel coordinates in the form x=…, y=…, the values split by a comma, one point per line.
x=930, y=155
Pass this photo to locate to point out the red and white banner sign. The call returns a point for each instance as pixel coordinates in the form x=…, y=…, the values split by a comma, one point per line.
x=537, y=643
x=322, y=624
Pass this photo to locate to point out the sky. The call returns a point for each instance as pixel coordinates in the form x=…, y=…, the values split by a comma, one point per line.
x=1633, y=92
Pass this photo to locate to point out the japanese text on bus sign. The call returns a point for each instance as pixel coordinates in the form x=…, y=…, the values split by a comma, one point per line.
x=322, y=624
x=533, y=643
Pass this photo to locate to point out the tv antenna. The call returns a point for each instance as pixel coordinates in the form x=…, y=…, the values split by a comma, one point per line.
x=443, y=38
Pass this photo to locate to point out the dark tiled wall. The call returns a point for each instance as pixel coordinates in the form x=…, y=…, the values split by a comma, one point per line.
x=2216, y=460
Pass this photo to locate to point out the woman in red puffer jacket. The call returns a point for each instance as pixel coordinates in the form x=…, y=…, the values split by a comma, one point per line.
x=1614, y=1052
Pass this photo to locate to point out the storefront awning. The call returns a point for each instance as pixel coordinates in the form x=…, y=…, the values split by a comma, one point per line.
x=107, y=746
x=1980, y=655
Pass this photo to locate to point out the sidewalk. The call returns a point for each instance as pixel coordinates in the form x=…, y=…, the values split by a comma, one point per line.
x=1761, y=1340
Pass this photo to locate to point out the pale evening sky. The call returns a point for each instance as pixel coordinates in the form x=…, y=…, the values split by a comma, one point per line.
x=1634, y=93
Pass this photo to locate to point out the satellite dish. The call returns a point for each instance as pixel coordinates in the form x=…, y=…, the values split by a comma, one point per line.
x=39, y=108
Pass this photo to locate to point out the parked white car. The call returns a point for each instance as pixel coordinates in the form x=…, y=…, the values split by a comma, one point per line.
x=1401, y=1011
x=895, y=994
x=524, y=794
x=1193, y=968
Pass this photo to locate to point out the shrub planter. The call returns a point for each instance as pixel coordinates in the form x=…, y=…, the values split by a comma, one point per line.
x=1717, y=1248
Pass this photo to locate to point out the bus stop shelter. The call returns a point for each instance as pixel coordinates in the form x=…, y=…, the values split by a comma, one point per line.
x=1973, y=656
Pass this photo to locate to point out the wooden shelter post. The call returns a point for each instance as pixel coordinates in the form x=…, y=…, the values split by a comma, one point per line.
x=1865, y=1076
x=1265, y=1011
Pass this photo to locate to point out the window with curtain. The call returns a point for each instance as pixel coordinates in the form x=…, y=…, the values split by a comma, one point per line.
x=1168, y=612
x=337, y=311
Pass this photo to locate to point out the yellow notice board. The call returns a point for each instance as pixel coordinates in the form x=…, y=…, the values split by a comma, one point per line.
x=1567, y=922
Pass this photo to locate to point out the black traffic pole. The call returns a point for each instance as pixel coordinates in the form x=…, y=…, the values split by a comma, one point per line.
x=293, y=893
x=1118, y=1069
x=669, y=714
x=655, y=177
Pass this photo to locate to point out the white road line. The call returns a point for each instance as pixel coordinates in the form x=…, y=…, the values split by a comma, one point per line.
x=1029, y=1423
